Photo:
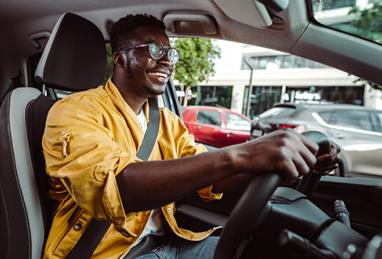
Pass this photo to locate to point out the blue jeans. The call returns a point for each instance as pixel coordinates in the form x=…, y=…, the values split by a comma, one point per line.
x=177, y=248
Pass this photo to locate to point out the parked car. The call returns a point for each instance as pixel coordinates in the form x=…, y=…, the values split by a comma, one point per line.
x=216, y=126
x=291, y=224
x=356, y=129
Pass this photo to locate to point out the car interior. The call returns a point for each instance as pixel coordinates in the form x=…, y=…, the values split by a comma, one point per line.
x=48, y=47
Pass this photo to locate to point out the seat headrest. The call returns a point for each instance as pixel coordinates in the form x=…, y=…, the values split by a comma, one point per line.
x=74, y=57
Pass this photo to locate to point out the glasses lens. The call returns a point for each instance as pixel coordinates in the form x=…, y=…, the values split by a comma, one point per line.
x=156, y=51
x=173, y=56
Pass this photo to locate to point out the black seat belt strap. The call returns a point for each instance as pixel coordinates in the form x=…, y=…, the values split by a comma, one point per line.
x=93, y=235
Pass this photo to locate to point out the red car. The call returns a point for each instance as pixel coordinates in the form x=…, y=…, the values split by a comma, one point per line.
x=218, y=127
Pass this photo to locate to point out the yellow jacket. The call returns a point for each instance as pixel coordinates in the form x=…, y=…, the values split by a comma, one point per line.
x=89, y=138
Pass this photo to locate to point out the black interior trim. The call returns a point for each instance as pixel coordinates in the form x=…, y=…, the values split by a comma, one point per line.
x=36, y=114
x=14, y=215
x=362, y=197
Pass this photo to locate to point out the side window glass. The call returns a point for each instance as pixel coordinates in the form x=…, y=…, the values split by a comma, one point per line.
x=353, y=119
x=235, y=122
x=209, y=117
x=62, y=93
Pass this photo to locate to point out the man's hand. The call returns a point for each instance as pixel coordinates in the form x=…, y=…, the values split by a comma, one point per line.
x=329, y=161
x=282, y=151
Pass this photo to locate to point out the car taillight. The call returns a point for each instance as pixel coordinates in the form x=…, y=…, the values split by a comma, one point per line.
x=286, y=126
x=297, y=128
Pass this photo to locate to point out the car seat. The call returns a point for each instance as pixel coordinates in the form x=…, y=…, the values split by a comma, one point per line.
x=74, y=59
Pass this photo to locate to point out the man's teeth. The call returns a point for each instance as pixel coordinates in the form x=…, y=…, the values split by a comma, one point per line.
x=158, y=74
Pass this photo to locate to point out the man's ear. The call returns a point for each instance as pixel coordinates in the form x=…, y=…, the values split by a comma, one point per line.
x=119, y=59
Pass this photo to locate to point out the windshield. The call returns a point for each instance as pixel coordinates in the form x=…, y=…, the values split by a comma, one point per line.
x=362, y=18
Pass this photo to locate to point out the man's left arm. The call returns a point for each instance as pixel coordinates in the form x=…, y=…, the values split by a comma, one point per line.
x=186, y=146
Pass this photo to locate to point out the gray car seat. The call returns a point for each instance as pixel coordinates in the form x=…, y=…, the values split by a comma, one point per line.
x=74, y=59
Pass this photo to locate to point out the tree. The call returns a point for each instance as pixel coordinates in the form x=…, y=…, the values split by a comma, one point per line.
x=369, y=25
x=369, y=21
x=370, y=83
x=196, y=62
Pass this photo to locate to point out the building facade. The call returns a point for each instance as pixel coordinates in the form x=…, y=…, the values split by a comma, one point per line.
x=251, y=79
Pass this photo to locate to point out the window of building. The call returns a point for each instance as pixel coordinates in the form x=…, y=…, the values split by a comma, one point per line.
x=262, y=99
x=211, y=95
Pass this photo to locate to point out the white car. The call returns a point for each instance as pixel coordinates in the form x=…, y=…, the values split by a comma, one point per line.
x=356, y=129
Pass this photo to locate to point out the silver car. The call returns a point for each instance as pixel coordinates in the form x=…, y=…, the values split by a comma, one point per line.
x=356, y=129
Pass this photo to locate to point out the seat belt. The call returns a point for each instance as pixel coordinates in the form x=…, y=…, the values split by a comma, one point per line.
x=96, y=230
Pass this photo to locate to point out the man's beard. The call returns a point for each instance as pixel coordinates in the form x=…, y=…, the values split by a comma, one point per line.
x=148, y=89
x=152, y=91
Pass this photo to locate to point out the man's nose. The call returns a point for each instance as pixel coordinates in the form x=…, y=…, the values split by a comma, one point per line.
x=164, y=60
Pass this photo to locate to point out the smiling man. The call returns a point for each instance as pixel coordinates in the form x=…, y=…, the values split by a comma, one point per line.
x=91, y=141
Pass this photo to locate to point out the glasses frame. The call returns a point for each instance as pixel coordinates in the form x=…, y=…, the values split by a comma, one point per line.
x=164, y=50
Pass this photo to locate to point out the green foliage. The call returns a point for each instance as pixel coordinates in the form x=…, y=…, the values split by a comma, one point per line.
x=196, y=62
x=369, y=25
x=367, y=82
x=369, y=22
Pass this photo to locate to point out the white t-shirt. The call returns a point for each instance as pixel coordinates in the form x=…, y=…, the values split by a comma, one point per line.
x=155, y=224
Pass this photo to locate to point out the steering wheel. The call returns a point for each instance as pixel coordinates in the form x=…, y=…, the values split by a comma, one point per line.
x=249, y=208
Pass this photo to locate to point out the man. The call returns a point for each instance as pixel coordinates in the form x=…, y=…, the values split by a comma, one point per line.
x=90, y=145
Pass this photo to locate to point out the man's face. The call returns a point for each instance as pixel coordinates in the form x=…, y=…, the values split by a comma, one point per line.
x=145, y=76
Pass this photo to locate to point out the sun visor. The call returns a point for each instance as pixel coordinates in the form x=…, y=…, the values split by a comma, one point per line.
x=250, y=12
x=190, y=24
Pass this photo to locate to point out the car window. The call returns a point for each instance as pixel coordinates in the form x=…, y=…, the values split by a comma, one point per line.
x=281, y=85
x=62, y=93
x=325, y=116
x=277, y=112
x=378, y=121
x=235, y=122
x=209, y=117
x=352, y=119
x=360, y=18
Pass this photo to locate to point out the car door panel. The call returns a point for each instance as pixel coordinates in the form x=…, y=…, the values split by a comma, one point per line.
x=361, y=195
x=210, y=134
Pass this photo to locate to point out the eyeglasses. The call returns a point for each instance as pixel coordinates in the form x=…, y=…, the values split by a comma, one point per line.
x=157, y=51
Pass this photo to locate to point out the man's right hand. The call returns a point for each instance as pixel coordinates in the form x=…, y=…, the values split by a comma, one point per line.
x=282, y=151
x=227, y=169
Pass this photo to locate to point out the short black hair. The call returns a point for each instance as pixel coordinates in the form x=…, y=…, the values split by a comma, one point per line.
x=123, y=29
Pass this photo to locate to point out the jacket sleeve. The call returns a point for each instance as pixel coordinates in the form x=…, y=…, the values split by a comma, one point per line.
x=81, y=153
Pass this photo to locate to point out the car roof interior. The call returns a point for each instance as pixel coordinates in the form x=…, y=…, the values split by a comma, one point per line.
x=26, y=26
